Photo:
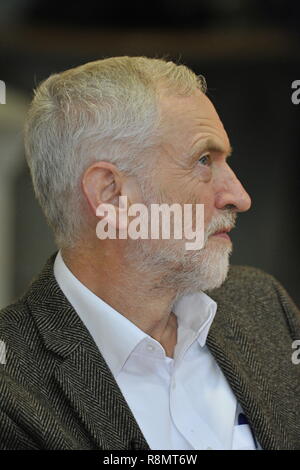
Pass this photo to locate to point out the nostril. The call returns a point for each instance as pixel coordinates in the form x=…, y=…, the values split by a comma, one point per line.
x=230, y=206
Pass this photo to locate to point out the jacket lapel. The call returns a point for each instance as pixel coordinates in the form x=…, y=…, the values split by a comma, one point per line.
x=82, y=372
x=245, y=371
x=95, y=396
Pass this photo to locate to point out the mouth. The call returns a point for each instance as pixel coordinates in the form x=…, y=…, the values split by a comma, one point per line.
x=223, y=233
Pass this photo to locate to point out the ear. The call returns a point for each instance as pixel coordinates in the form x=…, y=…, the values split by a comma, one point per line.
x=100, y=184
x=103, y=184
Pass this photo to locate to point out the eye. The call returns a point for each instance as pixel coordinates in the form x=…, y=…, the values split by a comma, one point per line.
x=205, y=159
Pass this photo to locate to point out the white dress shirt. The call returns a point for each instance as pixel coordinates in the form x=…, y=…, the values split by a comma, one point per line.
x=179, y=403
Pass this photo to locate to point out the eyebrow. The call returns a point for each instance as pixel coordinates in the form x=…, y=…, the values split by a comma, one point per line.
x=212, y=146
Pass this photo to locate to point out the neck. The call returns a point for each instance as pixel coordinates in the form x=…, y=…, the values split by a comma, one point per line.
x=138, y=297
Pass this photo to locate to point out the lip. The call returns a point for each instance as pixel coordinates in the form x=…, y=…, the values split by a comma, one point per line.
x=222, y=234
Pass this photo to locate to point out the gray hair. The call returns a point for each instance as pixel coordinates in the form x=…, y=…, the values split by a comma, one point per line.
x=102, y=110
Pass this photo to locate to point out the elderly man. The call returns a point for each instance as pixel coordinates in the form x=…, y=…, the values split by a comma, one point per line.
x=117, y=344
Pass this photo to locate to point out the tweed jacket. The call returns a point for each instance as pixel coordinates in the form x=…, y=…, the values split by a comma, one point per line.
x=57, y=392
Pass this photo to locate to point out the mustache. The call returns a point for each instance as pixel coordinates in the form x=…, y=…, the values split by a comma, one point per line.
x=221, y=222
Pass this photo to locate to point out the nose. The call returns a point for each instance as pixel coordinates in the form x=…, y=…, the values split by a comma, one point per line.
x=231, y=193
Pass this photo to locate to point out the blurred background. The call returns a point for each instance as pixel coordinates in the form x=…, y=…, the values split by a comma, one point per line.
x=249, y=52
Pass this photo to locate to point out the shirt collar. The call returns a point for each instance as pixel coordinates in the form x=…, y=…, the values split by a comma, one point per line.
x=115, y=335
x=196, y=312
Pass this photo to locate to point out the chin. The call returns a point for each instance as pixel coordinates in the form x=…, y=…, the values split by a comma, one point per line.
x=184, y=271
x=219, y=279
x=208, y=268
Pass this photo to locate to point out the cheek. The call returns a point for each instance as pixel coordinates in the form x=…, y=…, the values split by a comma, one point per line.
x=203, y=173
x=198, y=183
x=208, y=215
x=201, y=194
x=206, y=197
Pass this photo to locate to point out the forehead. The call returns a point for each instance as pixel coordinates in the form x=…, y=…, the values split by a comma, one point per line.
x=187, y=120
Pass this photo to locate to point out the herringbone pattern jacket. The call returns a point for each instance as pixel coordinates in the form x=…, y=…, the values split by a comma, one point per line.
x=57, y=392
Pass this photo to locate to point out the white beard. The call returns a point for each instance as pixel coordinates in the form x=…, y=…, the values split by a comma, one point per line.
x=184, y=271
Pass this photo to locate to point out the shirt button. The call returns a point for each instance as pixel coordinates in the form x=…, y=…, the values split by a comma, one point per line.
x=150, y=347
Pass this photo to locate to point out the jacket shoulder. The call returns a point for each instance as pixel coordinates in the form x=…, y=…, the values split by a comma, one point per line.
x=249, y=275
x=251, y=281
x=252, y=289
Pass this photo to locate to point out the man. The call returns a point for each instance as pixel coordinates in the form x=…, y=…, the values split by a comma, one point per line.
x=117, y=344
